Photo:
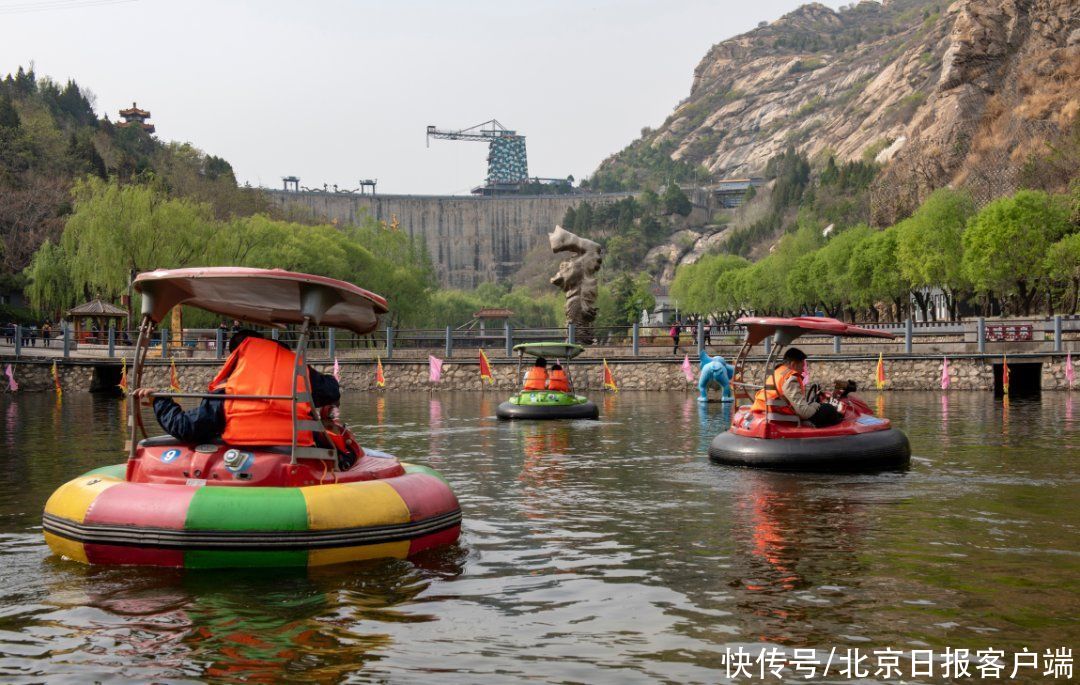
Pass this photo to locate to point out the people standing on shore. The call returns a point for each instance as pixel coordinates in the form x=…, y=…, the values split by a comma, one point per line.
x=46, y=333
x=674, y=333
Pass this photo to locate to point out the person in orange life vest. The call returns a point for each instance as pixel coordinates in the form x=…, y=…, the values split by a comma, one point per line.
x=557, y=379
x=208, y=421
x=788, y=394
x=536, y=377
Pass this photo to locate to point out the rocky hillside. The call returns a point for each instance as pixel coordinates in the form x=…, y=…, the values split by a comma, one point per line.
x=960, y=93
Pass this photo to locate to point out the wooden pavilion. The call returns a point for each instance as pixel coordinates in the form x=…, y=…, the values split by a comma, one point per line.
x=98, y=312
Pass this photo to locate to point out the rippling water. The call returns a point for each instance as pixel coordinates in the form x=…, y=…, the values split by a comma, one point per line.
x=608, y=551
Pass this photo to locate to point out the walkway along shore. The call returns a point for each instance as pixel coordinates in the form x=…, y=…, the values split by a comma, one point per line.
x=1044, y=371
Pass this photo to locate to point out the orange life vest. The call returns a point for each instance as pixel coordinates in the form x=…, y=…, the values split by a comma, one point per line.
x=557, y=381
x=261, y=367
x=770, y=399
x=536, y=378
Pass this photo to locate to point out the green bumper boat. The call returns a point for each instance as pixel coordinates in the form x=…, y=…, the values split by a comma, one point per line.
x=548, y=403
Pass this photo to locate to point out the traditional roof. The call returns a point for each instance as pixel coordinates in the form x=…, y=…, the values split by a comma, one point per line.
x=494, y=313
x=98, y=308
x=134, y=111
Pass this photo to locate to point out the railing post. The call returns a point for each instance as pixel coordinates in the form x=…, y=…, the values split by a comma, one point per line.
x=389, y=341
x=836, y=344
x=909, y=333
x=700, y=337
x=66, y=332
x=274, y=333
x=18, y=339
x=635, y=336
x=112, y=340
x=570, y=333
x=508, y=331
x=449, y=343
x=981, y=334
x=331, y=343
x=219, y=345
x=165, y=342
x=768, y=345
x=1057, y=333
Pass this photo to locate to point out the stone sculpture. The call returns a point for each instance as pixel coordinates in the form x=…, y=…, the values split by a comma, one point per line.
x=715, y=370
x=577, y=278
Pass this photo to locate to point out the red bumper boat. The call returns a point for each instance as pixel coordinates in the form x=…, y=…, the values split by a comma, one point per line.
x=861, y=442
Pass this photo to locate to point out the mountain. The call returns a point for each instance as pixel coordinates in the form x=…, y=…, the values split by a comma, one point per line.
x=964, y=94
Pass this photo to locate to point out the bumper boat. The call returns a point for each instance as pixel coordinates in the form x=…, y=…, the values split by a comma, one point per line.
x=861, y=442
x=548, y=403
x=220, y=505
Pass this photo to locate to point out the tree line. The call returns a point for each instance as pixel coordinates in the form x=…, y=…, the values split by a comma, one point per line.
x=1017, y=255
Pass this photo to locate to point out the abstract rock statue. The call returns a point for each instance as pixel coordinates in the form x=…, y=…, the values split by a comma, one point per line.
x=577, y=278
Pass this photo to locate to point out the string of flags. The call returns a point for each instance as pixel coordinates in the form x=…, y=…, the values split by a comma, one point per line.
x=12, y=385
x=945, y=373
x=123, y=384
x=380, y=379
x=56, y=381
x=1005, y=374
x=174, y=378
x=434, y=368
x=687, y=370
x=485, y=368
x=609, y=378
x=880, y=375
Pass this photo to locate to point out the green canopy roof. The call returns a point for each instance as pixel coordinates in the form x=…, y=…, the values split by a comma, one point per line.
x=550, y=349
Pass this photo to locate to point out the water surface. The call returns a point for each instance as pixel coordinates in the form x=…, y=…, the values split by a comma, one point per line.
x=596, y=552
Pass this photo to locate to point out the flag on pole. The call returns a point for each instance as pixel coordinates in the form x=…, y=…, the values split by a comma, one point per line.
x=380, y=379
x=1005, y=374
x=12, y=385
x=56, y=381
x=687, y=370
x=434, y=369
x=123, y=385
x=609, y=378
x=174, y=379
x=945, y=374
x=880, y=377
x=1069, y=373
x=485, y=368
x=337, y=370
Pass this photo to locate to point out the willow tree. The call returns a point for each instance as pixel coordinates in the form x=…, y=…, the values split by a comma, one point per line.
x=930, y=246
x=50, y=288
x=116, y=231
x=1006, y=243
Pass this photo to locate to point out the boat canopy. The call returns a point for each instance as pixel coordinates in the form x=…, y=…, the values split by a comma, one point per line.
x=555, y=350
x=786, y=330
x=270, y=297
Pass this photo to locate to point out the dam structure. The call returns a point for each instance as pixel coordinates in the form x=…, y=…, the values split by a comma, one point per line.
x=471, y=239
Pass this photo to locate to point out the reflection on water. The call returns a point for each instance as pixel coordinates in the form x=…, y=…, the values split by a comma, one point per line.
x=592, y=551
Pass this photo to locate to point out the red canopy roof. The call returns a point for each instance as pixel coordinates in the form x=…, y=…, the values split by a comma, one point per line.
x=271, y=297
x=759, y=328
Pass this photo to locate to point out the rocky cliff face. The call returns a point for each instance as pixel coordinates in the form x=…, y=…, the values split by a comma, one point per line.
x=941, y=93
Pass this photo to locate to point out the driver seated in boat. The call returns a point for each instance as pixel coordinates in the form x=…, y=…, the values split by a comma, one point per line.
x=536, y=377
x=212, y=420
x=784, y=396
x=557, y=380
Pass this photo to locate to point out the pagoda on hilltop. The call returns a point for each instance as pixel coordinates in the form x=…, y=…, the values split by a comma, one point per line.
x=136, y=117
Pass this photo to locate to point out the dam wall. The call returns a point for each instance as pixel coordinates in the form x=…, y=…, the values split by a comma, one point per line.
x=471, y=240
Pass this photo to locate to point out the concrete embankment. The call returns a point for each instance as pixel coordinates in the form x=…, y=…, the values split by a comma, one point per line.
x=966, y=372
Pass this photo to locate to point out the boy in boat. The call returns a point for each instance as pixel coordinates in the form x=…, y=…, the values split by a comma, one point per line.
x=537, y=376
x=207, y=422
x=557, y=380
x=784, y=395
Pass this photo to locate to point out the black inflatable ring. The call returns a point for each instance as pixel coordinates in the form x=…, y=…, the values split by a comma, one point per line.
x=885, y=450
x=587, y=410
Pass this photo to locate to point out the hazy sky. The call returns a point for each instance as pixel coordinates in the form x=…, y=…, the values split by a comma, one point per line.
x=335, y=91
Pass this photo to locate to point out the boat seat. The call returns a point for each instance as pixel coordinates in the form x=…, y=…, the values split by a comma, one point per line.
x=169, y=441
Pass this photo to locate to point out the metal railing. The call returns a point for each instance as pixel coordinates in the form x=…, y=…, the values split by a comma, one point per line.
x=980, y=336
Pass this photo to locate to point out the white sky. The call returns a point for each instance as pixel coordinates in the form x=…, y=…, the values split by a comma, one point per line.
x=335, y=91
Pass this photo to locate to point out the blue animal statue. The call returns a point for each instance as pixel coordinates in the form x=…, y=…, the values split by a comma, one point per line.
x=715, y=370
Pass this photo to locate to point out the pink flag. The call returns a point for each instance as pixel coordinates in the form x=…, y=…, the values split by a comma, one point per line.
x=687, y=369
x=12, y=385
x=337, y=370
x=1068, y=369
x=945, y=374
x=434, y=369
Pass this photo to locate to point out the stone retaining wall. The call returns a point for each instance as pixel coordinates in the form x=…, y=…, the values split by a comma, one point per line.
x=971, y=373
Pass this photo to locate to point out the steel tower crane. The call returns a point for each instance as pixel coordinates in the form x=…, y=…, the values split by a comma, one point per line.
x=508, y=166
